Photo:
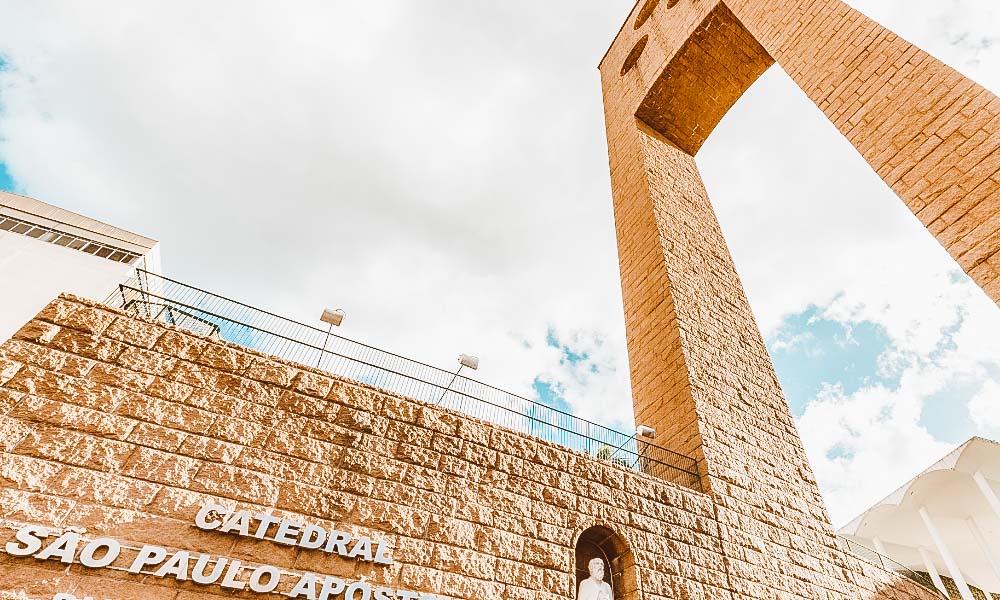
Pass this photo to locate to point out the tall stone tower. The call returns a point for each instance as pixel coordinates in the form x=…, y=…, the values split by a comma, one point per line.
x=700, y=372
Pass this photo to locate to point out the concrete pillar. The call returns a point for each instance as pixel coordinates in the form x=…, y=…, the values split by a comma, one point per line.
x=977, y=534
x=949, y=561
x=987, y=491
x=932, y=570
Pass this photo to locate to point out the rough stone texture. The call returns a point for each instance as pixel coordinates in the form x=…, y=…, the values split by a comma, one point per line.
x=700, y=371
x=123, y=427
x=131, y=446
x=931, y=134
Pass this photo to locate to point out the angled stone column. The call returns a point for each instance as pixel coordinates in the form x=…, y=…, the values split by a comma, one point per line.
x=930, y=133
x=700, y=372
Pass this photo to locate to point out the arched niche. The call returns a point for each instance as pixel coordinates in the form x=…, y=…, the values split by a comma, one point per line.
x=619, y=561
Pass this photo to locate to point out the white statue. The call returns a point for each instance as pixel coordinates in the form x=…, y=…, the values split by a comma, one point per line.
x=594, y=587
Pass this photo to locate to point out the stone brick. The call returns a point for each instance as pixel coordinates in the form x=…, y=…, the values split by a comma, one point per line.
x=13, y=432
x=87, y=345
x=102, y=488
x=38, y=356
x=236, y=483
x=711, y=393
x=161, y=467
x=8, y=368
x=75, y=315
x=23, y=506
x=73, y=417
x=473, y=510
x=134, y=332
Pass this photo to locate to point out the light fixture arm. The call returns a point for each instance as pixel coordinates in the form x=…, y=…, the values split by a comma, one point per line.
x=448, y=387
x=329, y=330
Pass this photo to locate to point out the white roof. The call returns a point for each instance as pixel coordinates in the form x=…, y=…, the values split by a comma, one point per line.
x=952, y=499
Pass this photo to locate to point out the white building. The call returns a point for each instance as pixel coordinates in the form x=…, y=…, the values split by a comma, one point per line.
x=45, y=250
x=945, y=522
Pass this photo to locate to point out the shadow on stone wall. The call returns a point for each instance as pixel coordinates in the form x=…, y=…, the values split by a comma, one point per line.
x=904, y=589
x=953, y=592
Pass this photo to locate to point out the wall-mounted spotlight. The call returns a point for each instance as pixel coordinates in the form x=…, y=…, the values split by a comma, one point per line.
x=641, y=431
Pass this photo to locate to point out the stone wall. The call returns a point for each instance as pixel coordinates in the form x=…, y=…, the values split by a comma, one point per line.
x=125, y=428
x=116, y=426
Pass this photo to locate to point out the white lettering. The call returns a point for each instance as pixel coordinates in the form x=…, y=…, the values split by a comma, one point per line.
x=266, y=521
x=273, y=578
x=362, y=549
x=338, y=541
x=331, y=587
x=384, y=593
x=287, y=532
x=312, y=537
x=239, y=521
x=358, y=586
x=63, y=548
x=112, y=550
x=30, y=538
x=198, y=573
x=231, y=573
x=381, y=554
x=178, y=566
x=148, y=555
x=210, y=516
x=305, y=587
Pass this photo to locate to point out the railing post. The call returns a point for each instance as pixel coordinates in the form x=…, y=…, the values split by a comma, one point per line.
x=121, y=290
x=880, y=548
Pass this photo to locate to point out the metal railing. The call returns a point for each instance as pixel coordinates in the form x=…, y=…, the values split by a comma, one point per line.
x=157, y=297
x=866, y=553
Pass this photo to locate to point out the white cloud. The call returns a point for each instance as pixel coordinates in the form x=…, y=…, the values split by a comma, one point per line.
x=438, y=169
x=984, y=408
x=865, y=444
x=809, y=223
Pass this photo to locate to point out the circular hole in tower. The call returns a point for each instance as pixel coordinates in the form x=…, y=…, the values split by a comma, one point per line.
x=633, y=56
x=645, y=12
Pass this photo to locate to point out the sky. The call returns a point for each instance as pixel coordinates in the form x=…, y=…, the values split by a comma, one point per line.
x=439, y=171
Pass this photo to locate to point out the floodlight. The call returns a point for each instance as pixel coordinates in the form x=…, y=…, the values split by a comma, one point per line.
x=645, y=431
x=333, y=317
x=464, y=360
